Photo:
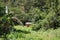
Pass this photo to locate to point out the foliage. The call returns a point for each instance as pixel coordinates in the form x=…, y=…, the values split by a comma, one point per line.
x=44, y=14
x=5, y=21
x=50, y=34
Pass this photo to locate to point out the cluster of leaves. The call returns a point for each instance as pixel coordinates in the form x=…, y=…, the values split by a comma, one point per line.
x=5, y=21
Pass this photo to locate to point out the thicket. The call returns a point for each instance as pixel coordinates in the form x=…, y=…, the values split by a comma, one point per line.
x=43, y=13
x=6, y=24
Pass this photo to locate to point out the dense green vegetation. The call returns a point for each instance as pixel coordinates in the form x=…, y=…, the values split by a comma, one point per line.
x=43, y=14
x=28, y=34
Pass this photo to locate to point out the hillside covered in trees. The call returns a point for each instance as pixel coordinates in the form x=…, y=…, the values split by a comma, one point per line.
x=43, y=15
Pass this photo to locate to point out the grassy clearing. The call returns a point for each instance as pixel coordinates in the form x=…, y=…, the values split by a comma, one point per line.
x=34, y=35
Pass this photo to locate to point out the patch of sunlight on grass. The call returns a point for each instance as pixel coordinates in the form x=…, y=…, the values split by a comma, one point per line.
x=1, y=38
x=23, y=28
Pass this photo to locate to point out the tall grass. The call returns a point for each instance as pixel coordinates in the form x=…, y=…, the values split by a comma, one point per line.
x=49, y=34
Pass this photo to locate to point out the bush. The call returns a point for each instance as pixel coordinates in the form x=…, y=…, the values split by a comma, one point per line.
x=48, y=22
x=5, y=21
